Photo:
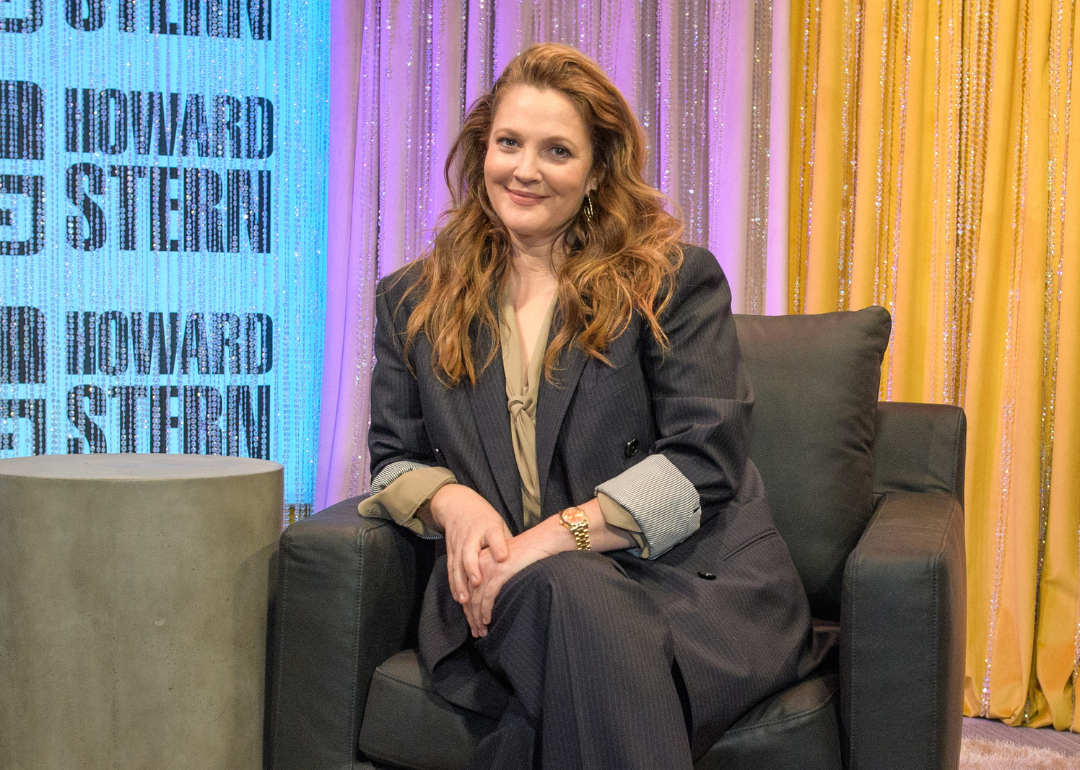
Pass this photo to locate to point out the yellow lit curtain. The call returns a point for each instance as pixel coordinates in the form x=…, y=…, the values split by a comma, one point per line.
x=935, y=170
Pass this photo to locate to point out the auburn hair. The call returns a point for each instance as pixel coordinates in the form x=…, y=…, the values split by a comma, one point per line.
x=624, y=258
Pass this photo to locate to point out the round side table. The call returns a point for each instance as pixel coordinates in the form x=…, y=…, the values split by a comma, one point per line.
x=133, y=610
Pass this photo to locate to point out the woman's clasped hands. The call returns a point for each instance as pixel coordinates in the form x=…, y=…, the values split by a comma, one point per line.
x=481, y=552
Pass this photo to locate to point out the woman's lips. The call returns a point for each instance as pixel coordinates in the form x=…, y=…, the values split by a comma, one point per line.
x=524, y=198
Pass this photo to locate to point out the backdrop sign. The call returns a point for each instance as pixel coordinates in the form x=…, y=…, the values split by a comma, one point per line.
x=163, y=228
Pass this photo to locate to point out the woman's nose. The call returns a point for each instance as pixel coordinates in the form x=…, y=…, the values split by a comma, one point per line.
x=527, y=169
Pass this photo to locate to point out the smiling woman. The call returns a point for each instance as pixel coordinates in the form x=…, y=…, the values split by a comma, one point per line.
x=610, y=607
x=537, y=171
x=613, y=250
x=538, y=167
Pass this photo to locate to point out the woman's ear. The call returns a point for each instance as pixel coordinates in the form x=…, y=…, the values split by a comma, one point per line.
x=593, y=183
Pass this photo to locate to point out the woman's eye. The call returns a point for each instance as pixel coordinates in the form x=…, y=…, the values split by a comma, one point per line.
x=560, y=152
x=506, y=141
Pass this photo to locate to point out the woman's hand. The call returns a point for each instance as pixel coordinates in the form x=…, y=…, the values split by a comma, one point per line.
x=546, y=538
x=470, y=525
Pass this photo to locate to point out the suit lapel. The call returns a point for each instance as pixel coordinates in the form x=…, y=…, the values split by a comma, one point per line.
x=552, y=403
x=488, y=401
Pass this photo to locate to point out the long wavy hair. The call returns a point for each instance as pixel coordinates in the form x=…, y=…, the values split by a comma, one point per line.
x=624, y=258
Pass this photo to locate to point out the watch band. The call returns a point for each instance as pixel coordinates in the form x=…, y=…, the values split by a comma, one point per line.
x=575, y=520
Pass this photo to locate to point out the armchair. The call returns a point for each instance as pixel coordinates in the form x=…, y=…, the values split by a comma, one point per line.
x=868, y=496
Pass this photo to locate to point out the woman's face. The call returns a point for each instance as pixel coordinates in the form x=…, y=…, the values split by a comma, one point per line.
x=538, y=166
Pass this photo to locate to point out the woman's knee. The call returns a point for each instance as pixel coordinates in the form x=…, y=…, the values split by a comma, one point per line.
x=582, y=587
x=565, y=572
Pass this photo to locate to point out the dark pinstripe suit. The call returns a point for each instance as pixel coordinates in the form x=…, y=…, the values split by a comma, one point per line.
x=600, y=661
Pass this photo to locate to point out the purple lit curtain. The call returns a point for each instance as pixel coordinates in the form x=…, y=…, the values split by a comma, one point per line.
x=707, y=78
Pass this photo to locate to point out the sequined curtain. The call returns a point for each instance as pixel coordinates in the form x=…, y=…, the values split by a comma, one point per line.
x=930, y=157
x=700, y=74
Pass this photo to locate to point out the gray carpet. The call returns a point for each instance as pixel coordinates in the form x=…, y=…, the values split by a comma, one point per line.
x=1042, y=737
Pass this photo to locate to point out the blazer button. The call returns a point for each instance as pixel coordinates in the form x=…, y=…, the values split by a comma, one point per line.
x=631, y=448
x=706, y=575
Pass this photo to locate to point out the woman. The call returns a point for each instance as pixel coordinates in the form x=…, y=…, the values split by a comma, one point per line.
x=559, y=392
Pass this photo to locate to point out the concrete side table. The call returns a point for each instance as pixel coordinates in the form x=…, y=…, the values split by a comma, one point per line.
x=133, y=609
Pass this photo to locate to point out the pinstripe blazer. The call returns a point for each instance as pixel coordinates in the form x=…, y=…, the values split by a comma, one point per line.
x=643, y=430
x=689, y=407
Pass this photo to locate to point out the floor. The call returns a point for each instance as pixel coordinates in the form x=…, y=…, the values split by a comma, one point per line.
x=1043, y=737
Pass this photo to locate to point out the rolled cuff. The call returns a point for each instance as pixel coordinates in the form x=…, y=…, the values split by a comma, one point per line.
x=617, y=516
x=663, y=502
x=400, y=489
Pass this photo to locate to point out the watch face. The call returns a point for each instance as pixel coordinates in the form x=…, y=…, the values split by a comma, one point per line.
x=574, y=516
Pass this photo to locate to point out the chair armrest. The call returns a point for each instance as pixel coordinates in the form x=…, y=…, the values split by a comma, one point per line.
x=920, y=448
x=903, y=614
x=348, y=597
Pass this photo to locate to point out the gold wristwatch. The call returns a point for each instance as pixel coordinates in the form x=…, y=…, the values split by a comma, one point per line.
x=575, y=520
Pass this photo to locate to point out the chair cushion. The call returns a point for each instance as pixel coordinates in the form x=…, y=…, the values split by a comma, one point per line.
x=793, y=730
x=816, y=381
x=407, y=725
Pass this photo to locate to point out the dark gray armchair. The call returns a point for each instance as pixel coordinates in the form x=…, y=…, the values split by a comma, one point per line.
x=868, y=496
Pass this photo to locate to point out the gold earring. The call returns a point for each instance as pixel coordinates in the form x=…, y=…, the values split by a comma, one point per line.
x=588, y=208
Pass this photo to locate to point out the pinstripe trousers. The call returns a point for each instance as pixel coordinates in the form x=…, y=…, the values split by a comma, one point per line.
x=589, y=660
x=600, y=661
